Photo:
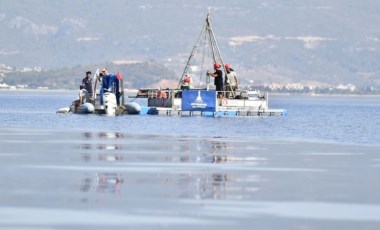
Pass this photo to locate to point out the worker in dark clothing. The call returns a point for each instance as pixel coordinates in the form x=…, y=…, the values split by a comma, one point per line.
x=218, y=79
x=87, y=84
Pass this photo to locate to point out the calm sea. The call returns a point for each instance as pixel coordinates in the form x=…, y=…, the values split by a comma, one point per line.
x=316, y=168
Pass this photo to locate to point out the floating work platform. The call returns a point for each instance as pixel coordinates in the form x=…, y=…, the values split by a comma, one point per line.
x=186, y=100
x=205, y=103
x=226, y=113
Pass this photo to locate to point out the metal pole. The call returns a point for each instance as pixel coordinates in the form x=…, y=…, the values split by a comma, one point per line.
x=217, y=50
x=191, y=55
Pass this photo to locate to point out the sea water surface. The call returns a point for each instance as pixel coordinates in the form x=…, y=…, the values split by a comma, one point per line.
x=316, y=168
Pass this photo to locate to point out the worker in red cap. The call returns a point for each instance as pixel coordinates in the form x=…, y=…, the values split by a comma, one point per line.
x=218, y=79
x=186, y=82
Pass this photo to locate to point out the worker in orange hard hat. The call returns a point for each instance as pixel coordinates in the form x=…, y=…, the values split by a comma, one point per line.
x=218, y=79
x=216, y=66
x=105, y=71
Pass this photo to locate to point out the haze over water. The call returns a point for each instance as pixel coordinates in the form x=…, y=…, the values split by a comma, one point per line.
x=317, y=168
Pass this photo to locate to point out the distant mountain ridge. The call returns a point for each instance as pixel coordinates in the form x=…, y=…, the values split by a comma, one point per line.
x=271, y=41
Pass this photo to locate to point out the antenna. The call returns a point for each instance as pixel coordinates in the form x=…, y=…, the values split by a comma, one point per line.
x=216, y=55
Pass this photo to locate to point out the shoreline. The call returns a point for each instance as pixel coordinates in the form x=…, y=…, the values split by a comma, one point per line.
x=55, y=90
x=134, y=92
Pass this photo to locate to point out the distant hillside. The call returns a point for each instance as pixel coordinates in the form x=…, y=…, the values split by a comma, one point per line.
x=135, y=75
x=267, y=41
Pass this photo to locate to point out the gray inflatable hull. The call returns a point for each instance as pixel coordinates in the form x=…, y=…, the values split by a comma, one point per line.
x=84, y=108
x=132, y=108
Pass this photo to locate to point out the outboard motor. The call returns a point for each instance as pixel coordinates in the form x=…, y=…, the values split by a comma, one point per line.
x=110, y=104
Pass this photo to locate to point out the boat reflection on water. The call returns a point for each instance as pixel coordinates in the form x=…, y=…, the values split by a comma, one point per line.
x=171, y=167
x=103, y=182
x=103, y=135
